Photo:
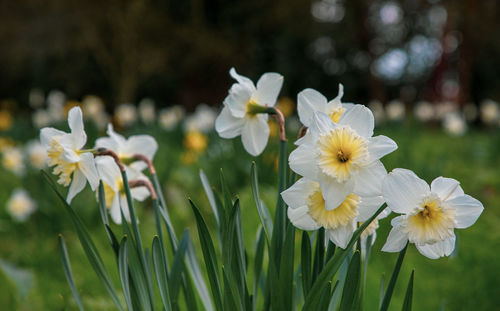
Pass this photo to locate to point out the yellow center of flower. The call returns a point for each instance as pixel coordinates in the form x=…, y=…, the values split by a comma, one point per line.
x=370, y=229
x=342, y=151
x=195, y=141
x=339, y=216
x=109, y=193
x=62, y=168
x=431, y=222
x=19, y=206
x=252, y=108
x=336, y=114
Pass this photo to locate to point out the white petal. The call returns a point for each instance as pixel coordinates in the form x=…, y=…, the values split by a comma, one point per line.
x=467, y=210
x=321, y=123
x=108, y=171
x=141, y=144
x=396, y=240
x=438, y=249
x=87, y=166
x=446, y=188
x=108, y=143
x=309, y=101
x=75, y=121
x=140, y=193
x=342, y=235
x=228, y=126
x=268, y=88
x=119, y=139
x=334, y=192
x=237, y=100
x=359, y=118
x=77, y=185
x=299, y=192
x=242, y=79
x=47, y=134
x=300, y=218
x=368, y=206
x=115, y=210
x=368, y=180
x=255, y=134
x=403, y=190
x=124, y=207
x=302, y=162
x=380, y=146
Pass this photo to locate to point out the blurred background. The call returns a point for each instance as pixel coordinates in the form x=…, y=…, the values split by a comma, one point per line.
x=427, y=69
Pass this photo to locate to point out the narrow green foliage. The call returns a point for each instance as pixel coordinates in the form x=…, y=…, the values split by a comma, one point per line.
x=392, y=282
x=174, y=280
x=67, y=272
x=261, y=209
x=113, y=240
x=88, y=246
x=161, y=273
x=324, y=298
x=102, y=204
x=208, y=250
x=286, y=269
x=210, y=196
x=123, y=270
x=351, y=286
x=258, y=260
x=319, y=254
x=305, y=263
x=330, y=251
x=409, y=294
x=381, y=291
x=139, y=279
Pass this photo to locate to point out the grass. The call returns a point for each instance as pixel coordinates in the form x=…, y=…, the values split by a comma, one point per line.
x=467, y=280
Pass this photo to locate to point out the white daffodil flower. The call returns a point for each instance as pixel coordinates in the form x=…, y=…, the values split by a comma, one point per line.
x=307, y=211
x=430, y=214
x=20, y=205
x=241, y=113
x=343, y=157
x=72, y=164
x=114, y=192
x=309, y=101
x=125, y=148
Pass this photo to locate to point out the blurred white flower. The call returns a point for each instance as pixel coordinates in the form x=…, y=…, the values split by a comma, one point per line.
x=430, y=214
x=489, y=111
x=20, y=205
x=37, y=155
x=243, y=107
x=378, y=111
x=126, y=148
x=424, y=111
x=13, y=160
x=470, y=112
x=41, y=118
x=147, y=111
x=169, y=117
x=310, y=101
x=36, y=98
x=454, y=124
x=395, y=110
x=55, y=105
x=202, y=120
x=92, y=107
x=72, y=164
x=343, y=157
x=307, y=211
x=114, y=192
x=125, y=115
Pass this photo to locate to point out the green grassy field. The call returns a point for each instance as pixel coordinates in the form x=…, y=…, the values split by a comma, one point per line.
x=470, y=279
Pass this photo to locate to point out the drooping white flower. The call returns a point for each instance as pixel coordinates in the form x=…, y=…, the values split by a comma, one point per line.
x=125, y=114
x=169, y=117
x=310, y=101
x=202, y=120
x=72, y=164
x=343, y=157
x=114, y=192
x=239, y=115
x=429, y=214
x=37, y=154
x=147, y=110
x=13, y=160
x=307, y=211
x=127, y=147
x=20, y=205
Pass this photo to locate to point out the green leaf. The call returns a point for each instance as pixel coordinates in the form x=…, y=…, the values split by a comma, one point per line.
x=67, y=271
x=333, y=264
x=351, y=286
x=138, y=278
x=324, y=298
x=176, y=270
x=264, y=216
x=319, y=254
x=210, y=196
x=409, y=294
x=381, y=291
x=88, y=246
x=194, y=270
x=123, y=270
x=257, y=270
x=392, y=282
x=208, y=250
x=161, y=273
x=102, y=204
x=305, y=263
x=286, y=269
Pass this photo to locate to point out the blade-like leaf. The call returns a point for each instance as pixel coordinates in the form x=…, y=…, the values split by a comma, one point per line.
x=319, y=254
x=88, y=246
x=102, y=204
x=161, y=273
x=210, y=196
x=123, y=270
x=305, y=263
x=208, y=250
x=67, y=272
x=257, y=270
x=409, y=294
x=392, y=282
x=176, y=271
x=261, y=209
x=196, y=275
x=381, y=291
x=351, y=286
x=286, y=269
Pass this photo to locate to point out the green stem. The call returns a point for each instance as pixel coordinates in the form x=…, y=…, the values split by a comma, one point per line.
x=392, y=282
